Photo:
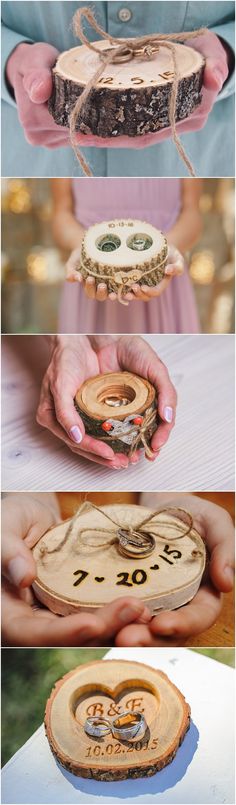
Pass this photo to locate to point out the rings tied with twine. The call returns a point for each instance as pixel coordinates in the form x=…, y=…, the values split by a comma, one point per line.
x=104, y=553
x=73, y=91
x=132, y=541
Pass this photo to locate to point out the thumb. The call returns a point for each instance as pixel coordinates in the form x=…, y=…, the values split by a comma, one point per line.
x=214, y=76
x=68, y=417
x=18, y=565
x=38, y=84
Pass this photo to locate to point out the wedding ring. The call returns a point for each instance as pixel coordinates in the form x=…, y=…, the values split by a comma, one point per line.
x=129, y=726
x=135, y=543
x=97, y=726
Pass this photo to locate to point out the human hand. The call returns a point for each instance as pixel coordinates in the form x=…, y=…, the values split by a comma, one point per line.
x=73, y=360
x=215, y=74
x=100, y=293
x=24, y=621
x=143, y=293
x=173, y=628
x=133, y=354
x=29, y=73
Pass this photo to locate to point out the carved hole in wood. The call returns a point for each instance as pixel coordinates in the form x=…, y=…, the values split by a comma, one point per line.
x=108, y=243
x=116, y=395
x=139, y=242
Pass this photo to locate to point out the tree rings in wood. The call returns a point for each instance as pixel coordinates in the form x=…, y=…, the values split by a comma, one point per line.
x=123, y=252
x=113, y=407
x=107, y=688
x=90, y=570
x=131, y=98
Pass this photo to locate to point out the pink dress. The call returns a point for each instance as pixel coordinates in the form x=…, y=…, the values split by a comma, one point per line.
x=157, y=201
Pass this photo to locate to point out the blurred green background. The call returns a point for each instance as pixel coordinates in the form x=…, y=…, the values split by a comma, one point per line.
x=28, y=676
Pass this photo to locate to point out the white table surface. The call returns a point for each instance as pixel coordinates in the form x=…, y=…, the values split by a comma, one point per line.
x=200, y=451
x=202, y=771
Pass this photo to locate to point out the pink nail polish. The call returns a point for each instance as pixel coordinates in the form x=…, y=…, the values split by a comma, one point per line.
x=75, y=434
x=168, y=413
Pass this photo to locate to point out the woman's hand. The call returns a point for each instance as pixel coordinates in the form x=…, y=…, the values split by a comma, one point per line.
x=76, y=358
x=173, y=628
x=29, y=73
x=24, y=621
x=143, y=293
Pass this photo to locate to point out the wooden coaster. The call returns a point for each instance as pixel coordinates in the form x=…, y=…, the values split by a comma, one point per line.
x=108, y=688
x=88, y=571
x=130, y=98
x=115, y=405
x=121, y=253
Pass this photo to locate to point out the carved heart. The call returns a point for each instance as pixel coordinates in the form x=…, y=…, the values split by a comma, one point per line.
x=99, y=578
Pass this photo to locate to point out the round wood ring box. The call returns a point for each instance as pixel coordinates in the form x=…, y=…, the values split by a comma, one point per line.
x=92, y=568
x=131, y=98
x=123, y=252
x=114, y=407
x=107, y=688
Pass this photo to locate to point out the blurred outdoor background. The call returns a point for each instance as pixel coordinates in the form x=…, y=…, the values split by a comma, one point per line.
x=28, y=676
x=33, y=268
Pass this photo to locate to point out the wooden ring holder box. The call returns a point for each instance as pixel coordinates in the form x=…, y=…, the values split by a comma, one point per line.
x=112, y=404
x=120, y=253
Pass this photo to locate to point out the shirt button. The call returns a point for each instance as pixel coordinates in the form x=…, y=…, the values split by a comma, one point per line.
x=124, y=14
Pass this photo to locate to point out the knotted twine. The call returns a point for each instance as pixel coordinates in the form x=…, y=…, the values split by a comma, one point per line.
x=143, y=47
x=144, y=525
x=147, y=422
x=118, y=288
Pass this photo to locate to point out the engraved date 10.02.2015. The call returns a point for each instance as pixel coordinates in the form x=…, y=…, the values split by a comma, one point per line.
x=137, y=576
x=117, y=748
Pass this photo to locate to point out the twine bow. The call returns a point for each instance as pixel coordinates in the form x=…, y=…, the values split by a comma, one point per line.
x=141, y=431
x=142, y=47
x=133, y=532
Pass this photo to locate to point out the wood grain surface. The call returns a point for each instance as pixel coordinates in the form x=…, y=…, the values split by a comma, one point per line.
x=199, y=455
x=222, y=632
x=107, y=689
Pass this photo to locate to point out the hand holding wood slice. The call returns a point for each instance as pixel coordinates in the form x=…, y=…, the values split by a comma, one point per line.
x=83, y=564
x=121, y=253
x=131, y=98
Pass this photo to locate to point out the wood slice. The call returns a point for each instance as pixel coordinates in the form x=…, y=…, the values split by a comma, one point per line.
x=108, y=688
x=109, y=404
x=123, y=252
x=86, y=574
x=131, y=98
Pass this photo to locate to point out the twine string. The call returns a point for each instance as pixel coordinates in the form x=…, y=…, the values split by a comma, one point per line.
x=143, y=47
x=117, y=288
x=141, y=435
x=143, y=525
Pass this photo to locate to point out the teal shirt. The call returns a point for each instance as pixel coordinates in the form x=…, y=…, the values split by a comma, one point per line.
x=211, y=149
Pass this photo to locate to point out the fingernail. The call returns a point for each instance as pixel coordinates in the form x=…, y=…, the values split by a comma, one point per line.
x=17, y=569
x=90, y=281
x=169, y=270
x=135, y=288
x=79, y=277
x=134, y=459
x=76, y=434
x=102, y=286
x=146, y=616
x=128, y=613
x=36, y=86
x=229, y=574
x=168, y=413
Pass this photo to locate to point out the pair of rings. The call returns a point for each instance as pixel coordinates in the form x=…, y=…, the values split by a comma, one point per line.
x=128, y=726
